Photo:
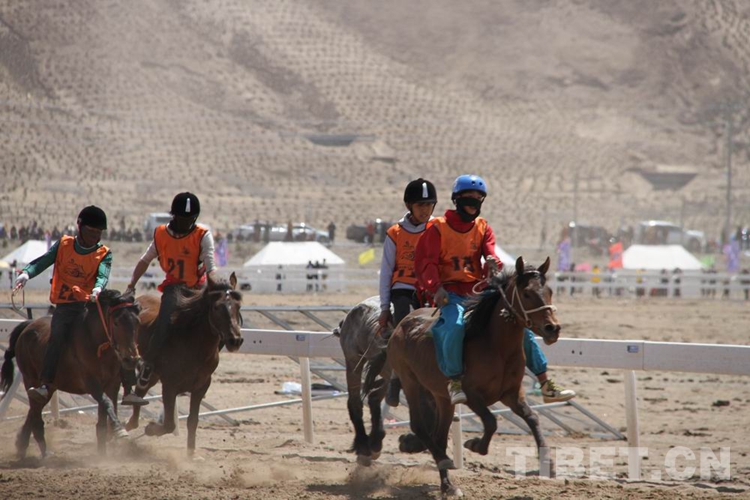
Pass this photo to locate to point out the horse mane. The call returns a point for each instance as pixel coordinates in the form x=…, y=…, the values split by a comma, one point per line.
x=478, y=309
x=192, y=304
x=112, y=297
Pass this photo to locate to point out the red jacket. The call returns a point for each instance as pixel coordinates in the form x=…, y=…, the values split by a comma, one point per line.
x=427, y=256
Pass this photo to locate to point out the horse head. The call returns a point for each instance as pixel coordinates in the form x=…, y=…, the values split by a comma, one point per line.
x=224, y=312
x=119, y=319
x=532, y=298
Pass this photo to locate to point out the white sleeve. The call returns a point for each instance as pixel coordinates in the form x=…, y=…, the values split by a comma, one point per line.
x=150, y=254
x=386, y=273
x=207, y=252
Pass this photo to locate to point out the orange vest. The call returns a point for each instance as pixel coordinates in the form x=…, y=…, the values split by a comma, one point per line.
x=74, y=269
x=180, y=257
x=460, y=253
x=406, y=245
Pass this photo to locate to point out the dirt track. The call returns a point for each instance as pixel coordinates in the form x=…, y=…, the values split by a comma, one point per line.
x=266, y=456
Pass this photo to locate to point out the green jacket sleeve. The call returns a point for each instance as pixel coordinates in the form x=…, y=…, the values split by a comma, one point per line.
x=36, y=266
x=102, y=274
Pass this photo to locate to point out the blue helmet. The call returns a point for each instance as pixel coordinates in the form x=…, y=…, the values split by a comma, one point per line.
x=468, y=183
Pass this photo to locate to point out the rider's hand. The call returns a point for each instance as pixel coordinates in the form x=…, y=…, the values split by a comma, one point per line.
x=384, y=319
x=94, y=294
x=130, y=290
x=21, y=281
x=493, y=265
x=441, y=297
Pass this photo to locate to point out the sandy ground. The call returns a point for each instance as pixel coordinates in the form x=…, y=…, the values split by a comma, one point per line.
x=267, y=457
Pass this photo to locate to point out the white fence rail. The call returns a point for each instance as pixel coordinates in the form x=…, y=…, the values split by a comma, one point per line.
x=627, y=355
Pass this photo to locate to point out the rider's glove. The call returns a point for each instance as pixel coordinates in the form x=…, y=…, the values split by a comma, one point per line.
x=94, y=294
x=21, y=281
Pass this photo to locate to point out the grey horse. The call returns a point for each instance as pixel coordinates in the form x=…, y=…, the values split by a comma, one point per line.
x=364, y=351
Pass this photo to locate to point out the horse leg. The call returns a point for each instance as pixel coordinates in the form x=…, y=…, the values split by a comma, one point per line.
x=520, y=407
x=24, y=435
x=192, y=422
x=480, y=445
x=377, y=432
x=361, y=445
x=169, y=400
x=442, y=428
x=423, y=421
x=37, y=427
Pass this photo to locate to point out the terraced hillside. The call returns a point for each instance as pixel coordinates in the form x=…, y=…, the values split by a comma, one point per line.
x=322, y=110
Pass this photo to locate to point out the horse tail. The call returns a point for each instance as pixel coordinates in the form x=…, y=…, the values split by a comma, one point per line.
x=7, y=371
x=372, y=370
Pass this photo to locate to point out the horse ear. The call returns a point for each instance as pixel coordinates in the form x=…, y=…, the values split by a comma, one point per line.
x=519, y=265
x=233, y=280
x=544, y=267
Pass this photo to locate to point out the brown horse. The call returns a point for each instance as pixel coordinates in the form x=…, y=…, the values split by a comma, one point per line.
x=204, y=321
x=494, y=359
x=102, y=342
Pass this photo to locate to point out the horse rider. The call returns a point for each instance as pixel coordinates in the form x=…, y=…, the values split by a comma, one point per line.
x=397, y=279
x=82, y=267
x=448, y=267
x=186, y=254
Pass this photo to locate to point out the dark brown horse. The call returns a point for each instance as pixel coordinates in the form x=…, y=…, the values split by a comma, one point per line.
x=205, y=320
x=364, y=352
x=494, y=365
x=90, y=364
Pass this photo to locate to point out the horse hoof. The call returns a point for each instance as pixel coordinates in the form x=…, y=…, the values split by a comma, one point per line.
x=375, y=455
x=130, y=426
x=475, y=445
x=152, y=429
x=452, y=492
x=446, y=464
x=364, y=460
x=121, y=433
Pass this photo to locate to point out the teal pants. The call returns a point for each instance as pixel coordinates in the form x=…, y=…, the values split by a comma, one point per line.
x=448, y=334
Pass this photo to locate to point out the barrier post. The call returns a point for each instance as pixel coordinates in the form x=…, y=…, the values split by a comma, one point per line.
x=304, y=367
x=458, y=449
x=176, y=431
x=631, y=412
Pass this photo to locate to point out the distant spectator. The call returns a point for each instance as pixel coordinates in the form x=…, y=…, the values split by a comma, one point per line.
x=279, y=278
x=267, y=233
x=13, y=233
x=563, y=251
x=596, y=280
x=746, y=283
x=56, y=233
x=370, y=233
x=677, y=280
x=331, y=231
x=309, y=276
x=256, y=231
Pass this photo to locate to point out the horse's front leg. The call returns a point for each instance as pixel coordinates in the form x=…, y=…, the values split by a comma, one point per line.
x=192, y=422
x=519, y=406
x=169, y=400
x=480, y=445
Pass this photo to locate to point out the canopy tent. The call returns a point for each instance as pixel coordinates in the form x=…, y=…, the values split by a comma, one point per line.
x=286, y=267
x=658, y=257
x=26, y=253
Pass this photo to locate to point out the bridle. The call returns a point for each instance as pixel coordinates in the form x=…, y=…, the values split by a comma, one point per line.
x=215, y=330
x=527, y=312
x=108, y=325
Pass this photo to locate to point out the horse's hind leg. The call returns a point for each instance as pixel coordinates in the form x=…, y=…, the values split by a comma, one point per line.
x=444, y=412
x=520, y=407
x=24, y=436
x=361, y=444
x=481, y=445
x=377, y=432
x=37, y=427
x=192, y=422
x=423, y=421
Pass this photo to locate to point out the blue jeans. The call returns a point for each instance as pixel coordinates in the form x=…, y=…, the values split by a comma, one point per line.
x=448, y=334
x=536, y=361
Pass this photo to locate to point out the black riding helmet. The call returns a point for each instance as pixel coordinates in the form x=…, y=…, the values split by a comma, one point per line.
x=186, y=205
x=93, y=217
x=420, y=191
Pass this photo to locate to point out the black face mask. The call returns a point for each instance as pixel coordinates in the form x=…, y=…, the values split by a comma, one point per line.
x=182, y=225
x=462, y=203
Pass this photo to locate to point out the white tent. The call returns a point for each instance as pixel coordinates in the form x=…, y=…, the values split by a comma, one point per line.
x=506, y=258
x=283, y=267
x=658, y=257
x=26, y=252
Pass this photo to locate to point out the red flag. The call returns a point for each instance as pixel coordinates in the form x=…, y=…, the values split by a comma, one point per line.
x=615, y=255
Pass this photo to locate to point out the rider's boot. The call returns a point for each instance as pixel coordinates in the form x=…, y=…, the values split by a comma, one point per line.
x=39, y=394
x=456, y=392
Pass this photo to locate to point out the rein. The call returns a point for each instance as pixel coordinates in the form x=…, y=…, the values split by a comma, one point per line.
x=16, y=309
x=107, y=324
